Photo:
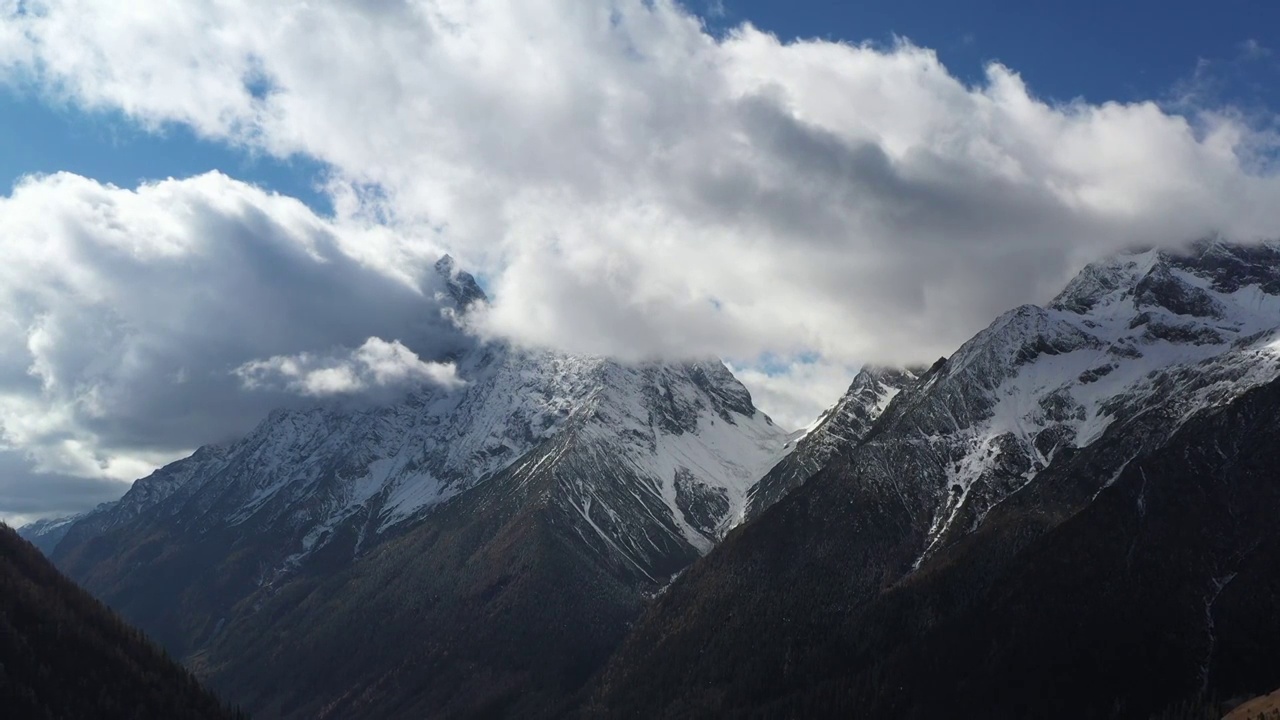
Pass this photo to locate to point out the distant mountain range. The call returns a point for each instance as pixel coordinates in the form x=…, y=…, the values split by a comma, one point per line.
x=1071, y=516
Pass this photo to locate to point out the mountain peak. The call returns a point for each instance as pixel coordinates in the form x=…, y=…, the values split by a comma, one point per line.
x=841, y=426
x=460, y=284
x=1177, y=280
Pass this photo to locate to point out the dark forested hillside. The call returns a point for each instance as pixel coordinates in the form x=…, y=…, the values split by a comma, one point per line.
x=64, y=655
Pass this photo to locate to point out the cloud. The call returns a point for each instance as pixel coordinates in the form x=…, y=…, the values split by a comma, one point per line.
x=794, y=392
x=125, y=314
x=1251, y=49
x=375, y=364
x=629, y=183
x=26, y=495
x=1247, y=77
x=634, y=185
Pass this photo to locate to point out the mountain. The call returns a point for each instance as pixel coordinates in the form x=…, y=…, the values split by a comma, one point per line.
x=64, y=655
x=503, y=533
x=1071, y=516
x=844, y=424
x=47, y=533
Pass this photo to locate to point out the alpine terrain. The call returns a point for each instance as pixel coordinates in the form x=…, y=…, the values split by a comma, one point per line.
x=459, y=551
x=1072, y=516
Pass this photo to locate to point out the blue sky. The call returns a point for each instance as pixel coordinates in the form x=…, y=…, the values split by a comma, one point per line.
x=1090, y=49
x=1096, y=49
x=38, y=136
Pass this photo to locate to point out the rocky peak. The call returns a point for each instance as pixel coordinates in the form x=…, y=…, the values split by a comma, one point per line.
x=460, y=284
x=1180, y=281
x=842, y=426
x=1228, y=267
x=1132, y=333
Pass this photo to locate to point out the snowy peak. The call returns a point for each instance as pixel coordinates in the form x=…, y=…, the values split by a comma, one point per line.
x=460, y=285
x=871, y=391
x=685, y=438
x=1228, y=267
x=1104, y=279
x=1183, y=283
x=842, y=426
x=660, y=466
x=1178, y=332
x=47, y=533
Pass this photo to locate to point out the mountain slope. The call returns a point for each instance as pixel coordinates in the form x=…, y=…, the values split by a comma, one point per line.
x=494, y=606
x=64, y=655
x=906, y=548
x=46, y=534
x=844, y=424
x=548, y=487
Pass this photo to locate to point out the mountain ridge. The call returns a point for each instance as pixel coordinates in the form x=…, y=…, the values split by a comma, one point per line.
x=993, y=450
x=550, y=489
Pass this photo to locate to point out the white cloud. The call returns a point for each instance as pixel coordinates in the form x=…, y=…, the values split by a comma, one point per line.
x=124, y=315
x=796, y=392
x=375, y=364
x=636, y=186
x=632, y=185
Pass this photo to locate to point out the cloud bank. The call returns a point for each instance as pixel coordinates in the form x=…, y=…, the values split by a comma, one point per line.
x=131, y=319
x=635, y=186
x=630, y=184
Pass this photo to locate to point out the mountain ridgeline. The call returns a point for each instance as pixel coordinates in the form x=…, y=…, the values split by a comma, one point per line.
x=1071, y=516
x=460, y=552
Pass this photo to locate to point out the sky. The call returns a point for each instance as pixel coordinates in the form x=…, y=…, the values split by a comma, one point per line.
x=200, y=197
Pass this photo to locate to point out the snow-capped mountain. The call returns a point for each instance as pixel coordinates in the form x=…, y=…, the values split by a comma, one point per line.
x=1080, y=490
x=508, y=533
x=688, y=433
x=841, y=426
x=613, y=476
x=47, y=533
x=1152, y=331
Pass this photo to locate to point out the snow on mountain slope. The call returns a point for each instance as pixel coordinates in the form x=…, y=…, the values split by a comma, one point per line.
x=313, y=472
x=47, y=533
x=843, y=425
x=1151, y=331
x=701, y=449
x=685, y=433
